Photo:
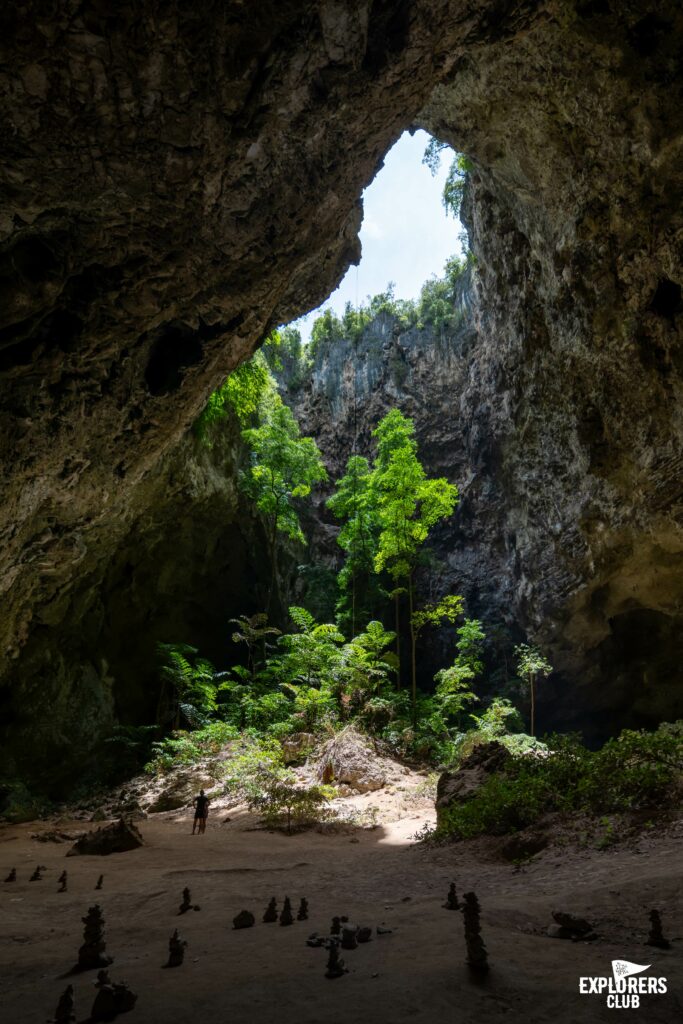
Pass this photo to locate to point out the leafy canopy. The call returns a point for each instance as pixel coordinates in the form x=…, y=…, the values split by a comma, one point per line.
x=284, y=466
x=410, y=503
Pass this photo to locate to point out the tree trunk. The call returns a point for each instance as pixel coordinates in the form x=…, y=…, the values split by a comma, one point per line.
x=532, y=687
x=273, y=570
x=353, y=605
x=398, y=643
x=413, y=657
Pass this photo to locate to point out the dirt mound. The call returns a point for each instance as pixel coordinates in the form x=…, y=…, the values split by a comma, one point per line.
x=350, y=758
x=119, y=837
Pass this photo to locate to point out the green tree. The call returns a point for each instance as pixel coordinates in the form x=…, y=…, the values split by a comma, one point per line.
x=409, y=506
x=354, y=503
x=531, y=665
x=458, y=170
x=188, y=685
x=311, y=654
x=252, y=631
x=366, y=664
x=241, y=393
x=284, y=467
x=453, y=683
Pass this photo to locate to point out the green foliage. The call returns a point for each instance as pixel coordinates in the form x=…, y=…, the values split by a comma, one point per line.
x=189, y=685
x=183, y=747
x=500, y=721
x=354, y=504
x=241, y=393
x=438, y=303
x=284, y=353
x=252, y=631
x=531, y=663
x=285, y=802
x=456, y=179
x=310, y=655
x=447, y=609
x=454, y=186
x=327, y=328
x=284, y=467
x=531, y=666
x=432, y=154
x=409, y=504
x=437, y=307
x=365, y=669
x=258, y=761
x=632, y=771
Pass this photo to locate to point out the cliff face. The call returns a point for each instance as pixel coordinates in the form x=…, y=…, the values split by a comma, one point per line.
x=521, y=546
x=175, y=180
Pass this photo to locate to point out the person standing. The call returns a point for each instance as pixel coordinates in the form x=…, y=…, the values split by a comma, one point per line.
x=201, y=812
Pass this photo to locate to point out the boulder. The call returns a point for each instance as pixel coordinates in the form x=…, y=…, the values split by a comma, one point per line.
x=457, y=787
x=524, y=845
x=297, y=746
x=179, y=791
x=119, y=837
x=350, y=758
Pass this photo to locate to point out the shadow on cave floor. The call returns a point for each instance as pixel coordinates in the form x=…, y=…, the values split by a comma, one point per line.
x=375, y=876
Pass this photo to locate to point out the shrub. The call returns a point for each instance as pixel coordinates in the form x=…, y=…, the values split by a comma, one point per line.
x=283, y=801
x=632, y=771
x=182, y=747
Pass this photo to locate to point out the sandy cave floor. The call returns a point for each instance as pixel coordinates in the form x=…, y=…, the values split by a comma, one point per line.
x=375, y=876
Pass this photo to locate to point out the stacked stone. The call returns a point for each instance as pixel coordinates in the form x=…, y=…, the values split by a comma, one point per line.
x=176, y=950
x=477, y=956
x=91, y=954
x=286, y=917
x=270, y=914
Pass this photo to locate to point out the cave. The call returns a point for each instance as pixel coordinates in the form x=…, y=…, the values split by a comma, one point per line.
x=180, y=180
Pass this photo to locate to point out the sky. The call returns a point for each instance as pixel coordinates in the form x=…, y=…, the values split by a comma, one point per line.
x=406, y=235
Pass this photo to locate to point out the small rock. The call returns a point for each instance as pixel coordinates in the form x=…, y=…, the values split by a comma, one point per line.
x=576, y=925
x=245, y=919
x=119, y=837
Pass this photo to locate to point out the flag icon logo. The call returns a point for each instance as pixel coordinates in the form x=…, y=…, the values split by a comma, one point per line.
x=624, y=968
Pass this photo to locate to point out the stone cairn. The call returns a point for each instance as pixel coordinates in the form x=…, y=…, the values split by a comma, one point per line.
x=62, y=882
x=111, y=1000
x=286, y=913
x=91, y=954
x=336, y=926
x=477, y=956
x=348, y=936
x=302, y=913
x=37, y=875
x=335, y=965
x=656, y=935
x=452, y=899
x=187, y=903
x=364, y=935
x=66, y=1010
x=176, y=950
x=12, y=877
x=245, y=919
x=100, y=882
x=270, y=913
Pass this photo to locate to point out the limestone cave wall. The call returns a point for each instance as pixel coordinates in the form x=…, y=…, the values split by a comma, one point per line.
x=178, y=178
